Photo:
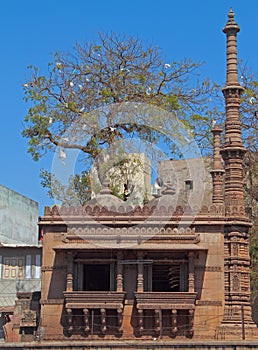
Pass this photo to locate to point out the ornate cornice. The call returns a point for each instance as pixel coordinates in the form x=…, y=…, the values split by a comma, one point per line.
x=86, y=212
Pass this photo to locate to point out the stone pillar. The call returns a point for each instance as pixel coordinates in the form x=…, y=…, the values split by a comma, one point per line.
x=140, y=321
x=86, y=320
x=70, y=320
x=103, y=320
x=191, y=320
x=140, y=273
x=157, y=320
x=119, y=275
x=191, y=272
x=217, y=172
x=69, y=275
x=174, y=322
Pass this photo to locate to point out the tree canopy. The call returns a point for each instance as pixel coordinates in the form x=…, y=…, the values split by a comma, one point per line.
x=113, y=70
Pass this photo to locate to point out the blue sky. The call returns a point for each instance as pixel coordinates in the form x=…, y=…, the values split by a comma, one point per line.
x=31, y=30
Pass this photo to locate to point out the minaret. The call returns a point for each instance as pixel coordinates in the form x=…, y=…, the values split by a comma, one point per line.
x=237, y=321
x=233, y=150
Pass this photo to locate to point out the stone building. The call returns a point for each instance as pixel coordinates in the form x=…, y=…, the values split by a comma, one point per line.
x=112, y=271
x=186, y=176
x=20, y=254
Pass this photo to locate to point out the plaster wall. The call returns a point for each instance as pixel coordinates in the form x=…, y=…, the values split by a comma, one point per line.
x=18, y=218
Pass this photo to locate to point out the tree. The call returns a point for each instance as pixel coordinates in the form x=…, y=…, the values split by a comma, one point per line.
x=77, y=104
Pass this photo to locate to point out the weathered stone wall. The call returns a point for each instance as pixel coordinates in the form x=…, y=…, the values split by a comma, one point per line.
x=134, y=345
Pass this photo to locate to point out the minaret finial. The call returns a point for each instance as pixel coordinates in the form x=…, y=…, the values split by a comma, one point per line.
x=231, y=21
x=231, y=29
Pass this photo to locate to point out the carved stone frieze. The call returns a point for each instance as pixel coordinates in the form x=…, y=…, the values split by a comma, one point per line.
x=52, y=301
x=134, y=231
x=209, y=302
x=88, y=212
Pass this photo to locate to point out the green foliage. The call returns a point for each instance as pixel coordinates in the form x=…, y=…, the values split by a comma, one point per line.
x=77, y=192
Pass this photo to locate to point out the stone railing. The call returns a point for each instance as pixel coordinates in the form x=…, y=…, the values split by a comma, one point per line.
x=94, y=299
x=141, y=213
x=159, y=301
x=88, y=301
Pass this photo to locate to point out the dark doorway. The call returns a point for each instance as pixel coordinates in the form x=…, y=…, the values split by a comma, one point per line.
x=96, y=277
x=130, y=280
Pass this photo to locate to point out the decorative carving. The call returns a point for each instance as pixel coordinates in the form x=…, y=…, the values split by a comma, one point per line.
x=86, y=320
x=103, y=320
x=130, y=231
x=70, y=320
x=236, y=283
x=113, y=213
x=191, y=319
x=120, y=319
x=28, y=318
x=208, y=268
x=140, y=321
x=209, y=302
x=157, y=320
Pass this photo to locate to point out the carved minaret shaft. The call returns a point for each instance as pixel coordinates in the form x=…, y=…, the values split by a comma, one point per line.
x=233, y=150
x=217, y=172
x=237, y=261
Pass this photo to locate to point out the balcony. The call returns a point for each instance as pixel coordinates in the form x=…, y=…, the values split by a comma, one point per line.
x=94, y=299
x=176, y=308
x=88, y=301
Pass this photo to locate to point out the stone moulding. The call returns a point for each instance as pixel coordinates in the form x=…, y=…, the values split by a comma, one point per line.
x=128, y=211
x=82, y=234
x=165, y=300
x=96, y=299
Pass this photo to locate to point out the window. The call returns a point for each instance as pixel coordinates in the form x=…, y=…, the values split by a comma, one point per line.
x=169, y=278
x=96, y=277
x=166, y=278
x=37, y=267
x=28, y=267
x=188, y=185
x=13, y=268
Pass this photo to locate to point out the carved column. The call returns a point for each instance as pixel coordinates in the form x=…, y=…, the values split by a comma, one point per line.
x=103, y=320
x=70, y=320
x=217, y=172
x=191, y=272
x=86, y=320
x=140, y=320
x=120, y=320
x=157, y=320
x=174, y=322
x=69, y=275
x=191, y=319
x=119, y=276
x=140, y=273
